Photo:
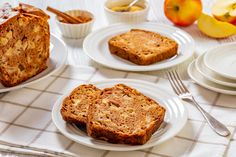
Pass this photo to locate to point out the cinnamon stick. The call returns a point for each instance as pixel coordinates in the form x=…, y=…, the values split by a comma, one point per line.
x=65, y=16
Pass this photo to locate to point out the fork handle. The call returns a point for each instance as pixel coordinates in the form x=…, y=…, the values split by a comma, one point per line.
x=217, y=126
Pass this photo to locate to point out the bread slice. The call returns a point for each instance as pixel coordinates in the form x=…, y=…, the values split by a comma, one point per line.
x=75, y=106
x=142, y=47
x=24, y=43
x=122, y=114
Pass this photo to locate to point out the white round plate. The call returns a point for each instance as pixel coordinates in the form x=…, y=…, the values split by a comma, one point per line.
x=58, y=56
x=175, y=119
x=214, y=77
x=222, y=60
x=96, y=46
x=202, y=81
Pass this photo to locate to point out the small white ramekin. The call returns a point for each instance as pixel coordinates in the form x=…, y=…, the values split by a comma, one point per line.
x=127, y=17
x=76, y=30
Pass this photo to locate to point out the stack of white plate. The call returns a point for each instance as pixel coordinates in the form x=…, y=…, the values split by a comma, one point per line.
x=216, y=69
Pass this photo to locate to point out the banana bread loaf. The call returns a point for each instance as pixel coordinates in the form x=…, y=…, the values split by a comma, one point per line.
x=24, y=43
x=142, y=47
x=121, y=114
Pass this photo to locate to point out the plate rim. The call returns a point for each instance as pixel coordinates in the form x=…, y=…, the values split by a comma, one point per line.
x=139, y=67
x=214, y=89
x=137, y=147
x=209, y=52
x=45, y=76
x=209, y=77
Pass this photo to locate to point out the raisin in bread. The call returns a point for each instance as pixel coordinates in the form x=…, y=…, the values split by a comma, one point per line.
x=75, y=106
x=24, y=43
x=142, y=47
x=122, y=114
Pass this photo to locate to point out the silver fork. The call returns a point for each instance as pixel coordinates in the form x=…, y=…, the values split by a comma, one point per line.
x=183, y=93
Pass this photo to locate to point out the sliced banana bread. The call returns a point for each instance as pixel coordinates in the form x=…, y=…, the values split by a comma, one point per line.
x=75, y=106
x=142, y=47
x=122, y=114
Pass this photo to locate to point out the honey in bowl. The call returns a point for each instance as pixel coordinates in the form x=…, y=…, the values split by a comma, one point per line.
x=124, y=8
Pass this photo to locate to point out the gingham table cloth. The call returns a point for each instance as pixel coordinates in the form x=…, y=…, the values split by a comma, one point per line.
x=25, y=114
x=28, y=121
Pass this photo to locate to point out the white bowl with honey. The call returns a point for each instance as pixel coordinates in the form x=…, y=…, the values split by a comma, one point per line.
x=116, y=11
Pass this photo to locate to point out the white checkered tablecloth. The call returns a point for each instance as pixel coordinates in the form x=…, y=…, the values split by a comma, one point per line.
x=28, y=121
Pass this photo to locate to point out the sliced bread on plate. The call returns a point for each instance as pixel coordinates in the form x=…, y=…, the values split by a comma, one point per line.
x=142, y=47
x=122, y=114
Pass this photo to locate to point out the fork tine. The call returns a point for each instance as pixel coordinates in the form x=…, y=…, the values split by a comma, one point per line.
x=180, y=81
x=176, y=82
x=172, y=83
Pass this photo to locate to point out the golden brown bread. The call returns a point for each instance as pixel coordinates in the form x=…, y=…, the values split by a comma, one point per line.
x=24, y=43
x=142, y=47
x=75, y=106
x=121, y=114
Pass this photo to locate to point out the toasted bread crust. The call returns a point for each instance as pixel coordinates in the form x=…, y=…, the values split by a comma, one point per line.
x=75, y=106
x=123, y=115
x=142, y=47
